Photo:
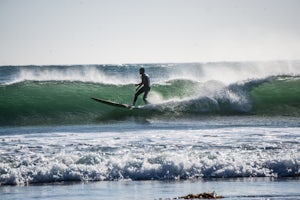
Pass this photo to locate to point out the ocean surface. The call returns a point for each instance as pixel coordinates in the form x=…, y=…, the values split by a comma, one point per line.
x=223, y=126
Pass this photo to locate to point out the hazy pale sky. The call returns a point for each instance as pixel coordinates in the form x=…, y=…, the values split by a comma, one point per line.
x=145, y=31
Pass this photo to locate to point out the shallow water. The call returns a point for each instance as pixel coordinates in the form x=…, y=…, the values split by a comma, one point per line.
x=246, y=188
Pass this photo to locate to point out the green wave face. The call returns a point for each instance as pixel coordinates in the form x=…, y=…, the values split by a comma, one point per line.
x=279, y=97
x=33, y=102
x=53, y=102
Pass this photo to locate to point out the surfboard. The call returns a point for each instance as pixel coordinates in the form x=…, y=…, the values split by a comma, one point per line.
x=111, y=103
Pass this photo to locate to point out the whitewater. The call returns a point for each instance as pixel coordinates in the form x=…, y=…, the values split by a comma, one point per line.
x=233, y=127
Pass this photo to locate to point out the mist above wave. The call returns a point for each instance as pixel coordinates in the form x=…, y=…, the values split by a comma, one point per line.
x=225, y=72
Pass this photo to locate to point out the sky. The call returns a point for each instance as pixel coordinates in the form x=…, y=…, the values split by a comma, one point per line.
x=48, y=32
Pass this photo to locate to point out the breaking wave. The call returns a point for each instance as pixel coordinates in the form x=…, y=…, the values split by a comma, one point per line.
x=61, y=94
x=168, y=154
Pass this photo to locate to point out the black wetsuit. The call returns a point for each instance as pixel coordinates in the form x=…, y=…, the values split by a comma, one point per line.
x=144, y=89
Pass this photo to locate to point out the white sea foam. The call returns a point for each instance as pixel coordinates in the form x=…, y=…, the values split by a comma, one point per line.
x=90, y=74
x=150, y=154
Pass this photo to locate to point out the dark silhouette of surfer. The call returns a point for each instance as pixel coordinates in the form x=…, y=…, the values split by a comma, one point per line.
x=143, y=87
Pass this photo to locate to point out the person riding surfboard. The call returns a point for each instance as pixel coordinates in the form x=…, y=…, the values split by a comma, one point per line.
x=142, y=87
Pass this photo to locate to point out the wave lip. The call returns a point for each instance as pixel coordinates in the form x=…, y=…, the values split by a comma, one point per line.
x=225, y=72
x=86, y=74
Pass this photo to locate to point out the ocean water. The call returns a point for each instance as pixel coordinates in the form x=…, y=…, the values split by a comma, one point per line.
x=210, y=126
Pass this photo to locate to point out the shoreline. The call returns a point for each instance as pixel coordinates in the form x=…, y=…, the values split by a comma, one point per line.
x=232, y=188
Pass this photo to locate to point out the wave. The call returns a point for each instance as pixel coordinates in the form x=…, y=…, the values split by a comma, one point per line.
x=68, y=102
x=60, y=155
x=93, y=167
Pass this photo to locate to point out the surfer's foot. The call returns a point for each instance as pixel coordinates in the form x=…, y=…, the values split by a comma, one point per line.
x=131, y=107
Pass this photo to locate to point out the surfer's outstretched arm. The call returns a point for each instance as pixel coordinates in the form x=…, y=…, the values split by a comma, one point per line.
x=138, y=84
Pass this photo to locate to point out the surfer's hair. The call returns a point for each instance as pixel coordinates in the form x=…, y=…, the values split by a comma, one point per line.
x=142, y=70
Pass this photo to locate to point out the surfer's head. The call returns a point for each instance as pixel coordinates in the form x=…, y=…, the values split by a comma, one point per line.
x=142, y=70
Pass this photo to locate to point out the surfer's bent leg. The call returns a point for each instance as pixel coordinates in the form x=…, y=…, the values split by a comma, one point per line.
x=146, y=95
x=140, y=91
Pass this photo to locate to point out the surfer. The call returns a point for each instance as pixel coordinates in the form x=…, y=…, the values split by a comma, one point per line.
x=143, y=87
